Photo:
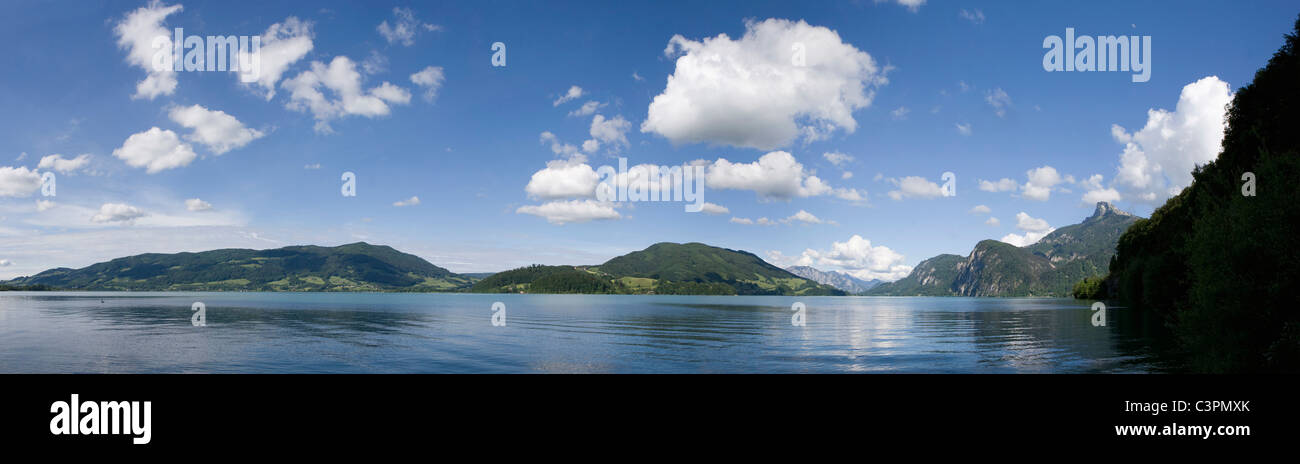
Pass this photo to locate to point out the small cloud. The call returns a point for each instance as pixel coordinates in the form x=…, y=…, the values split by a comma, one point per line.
x=1002, y=185
x=915, y=187
x=1034, y=228
x=837, y=158
x=59, y=163
x=975, y=16
x=806, y=218
x=573, y=93
x=713, y=208
x=587, y=108
x=312, y=166
x=858, y=197
x=911, y=5
x=980, y=209
x=117, y=212
x=963, y=129
x=155, y=150
x=999, y=100
x=405, y=27
x=571, y=211
x=195, y=204
x=407, y=202
x=375, y=63
x=430, y=79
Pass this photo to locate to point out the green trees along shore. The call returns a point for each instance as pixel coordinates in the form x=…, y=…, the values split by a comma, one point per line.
x=1220, y=262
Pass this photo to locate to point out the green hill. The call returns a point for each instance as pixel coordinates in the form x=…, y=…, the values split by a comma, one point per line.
x=932, y=277
x=352, y=267
x=546, y=279
x=697, y=263
x=663, y=268
x=1049, y=267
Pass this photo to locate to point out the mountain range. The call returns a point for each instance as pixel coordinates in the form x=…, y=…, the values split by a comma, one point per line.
x=663, y=268
x=671, y=268
x=353, y=267
x=837, y=279
x=1049, y=267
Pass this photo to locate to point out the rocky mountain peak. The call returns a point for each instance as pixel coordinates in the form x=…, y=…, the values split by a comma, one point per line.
x=1105, y=209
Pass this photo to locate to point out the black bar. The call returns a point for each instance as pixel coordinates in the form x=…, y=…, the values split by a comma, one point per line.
x=252, y=412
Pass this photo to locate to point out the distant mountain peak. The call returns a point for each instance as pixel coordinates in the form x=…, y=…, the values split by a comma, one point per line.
x=1104, y=209
x=1050, y=266
x=838, y=279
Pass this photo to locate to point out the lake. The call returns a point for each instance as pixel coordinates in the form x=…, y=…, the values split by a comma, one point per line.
x=139, y=332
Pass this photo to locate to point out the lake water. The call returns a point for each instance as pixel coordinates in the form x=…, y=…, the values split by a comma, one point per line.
x=119, y=332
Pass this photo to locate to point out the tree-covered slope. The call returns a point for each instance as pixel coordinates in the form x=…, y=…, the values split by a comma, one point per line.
x=546, y=279
x=352, y=267
x=697, y=263
x=1001, y=269
x=932, y=277
x=664, y=268
x=1220, y=267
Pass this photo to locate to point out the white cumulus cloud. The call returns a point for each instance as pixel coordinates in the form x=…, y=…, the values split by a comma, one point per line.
x=611, y=132
x=1158, y=160
x=219, y=131
x=340, y=78
x=915, y=187
x=1034, y=229
x=776, y=175
x=19, y=181
x=563, y=179
x=571, y=211
x=283, y=44
x=155, y=150
x=1041, y=182
x=64, y=165
x=117, y=212
x=138, y=33
x=855, y=256
x=782, y=79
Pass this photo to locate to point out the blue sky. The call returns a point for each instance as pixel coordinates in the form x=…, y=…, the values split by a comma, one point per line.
x=926, y=88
